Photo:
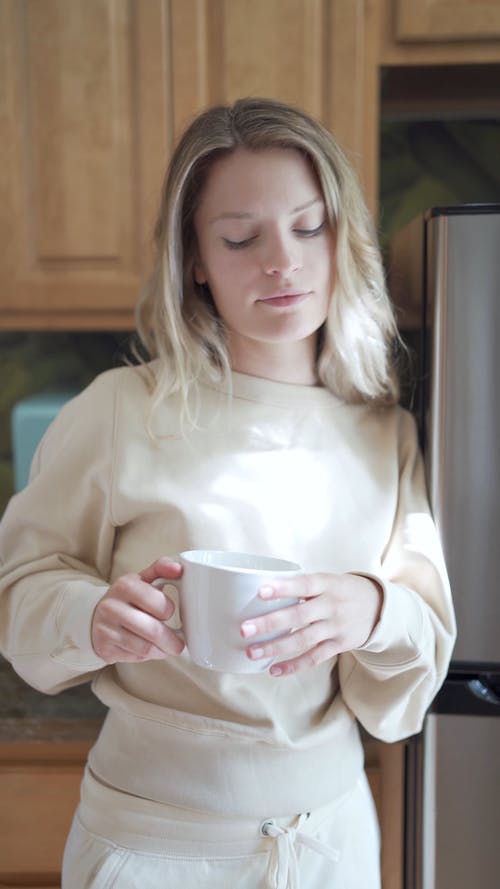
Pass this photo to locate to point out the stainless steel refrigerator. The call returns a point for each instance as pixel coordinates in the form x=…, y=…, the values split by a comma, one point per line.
x=452, y=793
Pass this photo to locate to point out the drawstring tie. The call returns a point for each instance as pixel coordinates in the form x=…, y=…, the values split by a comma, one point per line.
x=283, y=870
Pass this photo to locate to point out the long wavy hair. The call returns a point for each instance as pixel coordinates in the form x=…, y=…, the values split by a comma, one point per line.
x=177, y=321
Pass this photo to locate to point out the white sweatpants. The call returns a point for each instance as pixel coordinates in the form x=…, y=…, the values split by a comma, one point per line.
x=119, y=842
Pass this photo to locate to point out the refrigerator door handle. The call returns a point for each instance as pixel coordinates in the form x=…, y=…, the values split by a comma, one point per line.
x=482, y=690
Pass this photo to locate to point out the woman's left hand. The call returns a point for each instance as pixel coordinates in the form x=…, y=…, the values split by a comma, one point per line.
x=335, y=613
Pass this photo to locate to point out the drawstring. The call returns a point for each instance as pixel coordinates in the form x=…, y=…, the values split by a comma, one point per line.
x=283, y=870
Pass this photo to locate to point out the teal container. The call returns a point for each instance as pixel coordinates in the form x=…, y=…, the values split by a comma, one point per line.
x=29, y=421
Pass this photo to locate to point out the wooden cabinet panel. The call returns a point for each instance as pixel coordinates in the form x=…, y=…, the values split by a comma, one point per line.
x=317, y=54
x=93, y=94
x=353, y=87
x=226, y=49
x=444, y=20
x=41, y=766
x=37, y=805
x=77, y=109
x=439, y=32
x=84, y=141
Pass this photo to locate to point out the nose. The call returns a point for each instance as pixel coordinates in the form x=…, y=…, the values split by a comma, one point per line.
x=282, y=256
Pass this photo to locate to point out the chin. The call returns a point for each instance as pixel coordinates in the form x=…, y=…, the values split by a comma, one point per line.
x=293, y=333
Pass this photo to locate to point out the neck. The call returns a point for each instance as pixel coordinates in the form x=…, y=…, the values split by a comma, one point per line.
x=281, y=362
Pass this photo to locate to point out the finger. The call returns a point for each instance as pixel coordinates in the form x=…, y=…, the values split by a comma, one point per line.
x=132, y=590
x=137, y=597
x=291, y=643
x=152, y=600
x=312, y=658
x=112, y=644
x=148, y=630
x=162, y=567
x=302, y=586
x=124, y=646
x=115, y=616
x=283, y=619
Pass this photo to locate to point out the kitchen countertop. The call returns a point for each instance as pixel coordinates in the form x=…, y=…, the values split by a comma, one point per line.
x=31, y=730
x=18, y=701
x=72, y=717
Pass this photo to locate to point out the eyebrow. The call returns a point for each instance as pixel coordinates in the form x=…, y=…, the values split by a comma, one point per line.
x=230, y=215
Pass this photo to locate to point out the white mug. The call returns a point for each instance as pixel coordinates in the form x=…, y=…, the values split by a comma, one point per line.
x=217, y=591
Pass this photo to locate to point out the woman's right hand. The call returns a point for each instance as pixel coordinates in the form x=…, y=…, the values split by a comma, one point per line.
x=128, y=622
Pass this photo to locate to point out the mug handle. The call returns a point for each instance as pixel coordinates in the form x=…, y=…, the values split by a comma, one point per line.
x=160, y=583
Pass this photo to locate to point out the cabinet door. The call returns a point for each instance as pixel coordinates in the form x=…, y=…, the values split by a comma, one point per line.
x=84, y=131
x=225, y=49
x=93, y=94
x=318, y=54
x=34, y=830
x=41, y=767
x=444, y=20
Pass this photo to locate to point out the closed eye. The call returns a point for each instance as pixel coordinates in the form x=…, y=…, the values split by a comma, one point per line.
x=301, y=232
x=238, y=245
x=310, y=232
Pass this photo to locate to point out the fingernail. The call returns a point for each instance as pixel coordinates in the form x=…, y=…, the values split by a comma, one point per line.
x=276, y=671
x=256, y=653
x=266, y=592
x=248, y=629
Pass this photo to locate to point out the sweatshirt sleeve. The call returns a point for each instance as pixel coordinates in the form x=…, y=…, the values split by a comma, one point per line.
x=390, y=682
x=56, y=539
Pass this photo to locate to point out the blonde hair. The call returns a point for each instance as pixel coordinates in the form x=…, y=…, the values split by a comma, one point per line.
x=176, y=318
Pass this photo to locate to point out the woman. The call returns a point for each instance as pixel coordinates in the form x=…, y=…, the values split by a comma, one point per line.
x=266, y=422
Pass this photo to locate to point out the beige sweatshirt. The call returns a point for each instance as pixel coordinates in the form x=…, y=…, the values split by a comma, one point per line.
x=279, y=469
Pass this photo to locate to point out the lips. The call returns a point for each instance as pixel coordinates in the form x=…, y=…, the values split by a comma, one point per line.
x=285, y=298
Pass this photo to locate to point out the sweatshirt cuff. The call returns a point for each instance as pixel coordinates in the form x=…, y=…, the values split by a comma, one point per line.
x=74, y=621
x=398, y=635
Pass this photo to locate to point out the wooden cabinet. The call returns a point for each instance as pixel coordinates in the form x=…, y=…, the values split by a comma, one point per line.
x=224, y=49
x=84, y=117
x=443, y=20
x=41, y=766
x=92, y=96
x=312, y=53
x=439, y=32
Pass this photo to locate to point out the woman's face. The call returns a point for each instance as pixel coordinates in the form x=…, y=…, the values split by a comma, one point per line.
x=266, y=252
